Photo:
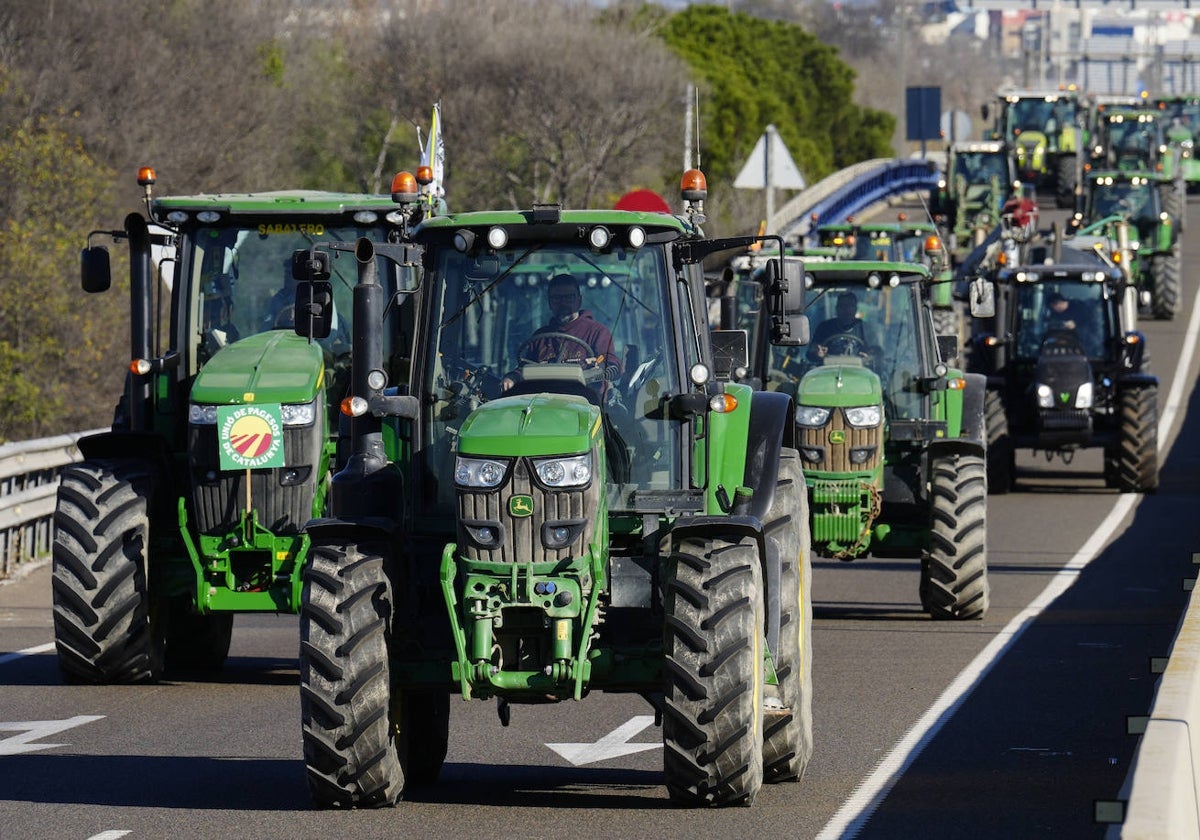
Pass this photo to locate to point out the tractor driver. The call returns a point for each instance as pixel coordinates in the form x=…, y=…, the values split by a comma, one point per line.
x=571, y=335
x=217, y=327
x=845, y=322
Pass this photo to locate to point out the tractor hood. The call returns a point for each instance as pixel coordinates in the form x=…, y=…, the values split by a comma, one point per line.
x=537, y=424
x=271, y=367
x=835, y=385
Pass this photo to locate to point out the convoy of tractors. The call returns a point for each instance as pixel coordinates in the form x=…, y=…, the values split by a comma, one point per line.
x=524, y=456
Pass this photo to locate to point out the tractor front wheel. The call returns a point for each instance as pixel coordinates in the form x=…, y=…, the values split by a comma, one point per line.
x=1136, y=457
x=787, y=728
x=1166, y=287
x=106, y=628
x=954, y=583
x=352, y=739
x=713, y=651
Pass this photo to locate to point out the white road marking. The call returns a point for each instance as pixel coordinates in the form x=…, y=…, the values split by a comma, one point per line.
x=111, y=834
x=612, y=745
x=9, y=657
x=31, y=730
x=856, y=810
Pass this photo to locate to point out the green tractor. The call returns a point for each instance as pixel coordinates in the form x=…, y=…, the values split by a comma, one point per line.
x=1152, y=207
x=1131, y=140
x=1044, y=130
x=191, y=508
x=979, y=177
x=892, y=440
x=1181, y=119
x=552, y=502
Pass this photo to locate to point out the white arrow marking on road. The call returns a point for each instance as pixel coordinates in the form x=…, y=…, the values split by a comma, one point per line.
x=612, y=745
x=33, y=729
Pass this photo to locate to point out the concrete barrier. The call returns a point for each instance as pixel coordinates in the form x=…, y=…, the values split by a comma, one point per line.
x=1162, y=790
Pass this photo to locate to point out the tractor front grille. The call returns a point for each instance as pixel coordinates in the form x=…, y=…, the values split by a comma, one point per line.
x=489, y=530
x=282, y=498
x=829, y=448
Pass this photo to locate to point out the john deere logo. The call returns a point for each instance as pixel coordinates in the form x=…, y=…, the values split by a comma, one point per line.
x=250, y=436
x=837, y=436
x=1064, y=396
x=520, y=506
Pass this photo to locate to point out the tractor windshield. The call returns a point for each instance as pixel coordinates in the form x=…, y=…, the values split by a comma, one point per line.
x=1134, y=199
x=858, y=325
x=240, y=279
x=556, y=318
x=982, y=168
x=1047, y=115
x=1080, y=308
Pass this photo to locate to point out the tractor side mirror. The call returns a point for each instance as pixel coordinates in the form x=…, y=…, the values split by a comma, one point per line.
x=314, y=308
x=95, y=271
x=947, y=347
x=784, y=285
x=982, y=298
x=730, y=352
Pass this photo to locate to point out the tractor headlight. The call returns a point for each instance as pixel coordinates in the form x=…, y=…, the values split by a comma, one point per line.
x=1045, y=396
x=573, y=471
x=811, y=415
x=478, y=472
x=864, y=416
x=202, y=415
x=861, y=454
x=300, y=414
x=1083, y=397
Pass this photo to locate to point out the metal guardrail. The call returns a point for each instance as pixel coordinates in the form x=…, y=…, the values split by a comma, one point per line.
x=28, y=484
x=852, y=191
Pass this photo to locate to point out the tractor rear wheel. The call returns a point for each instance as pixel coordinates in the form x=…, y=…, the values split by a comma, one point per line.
x=1136, y=458
x=352, y=741
x=107, y=629
x=787, y=727
x=713, y=649
x=954, y=583
x=1166, y=269
x=1064, y=181
x=1001, y=454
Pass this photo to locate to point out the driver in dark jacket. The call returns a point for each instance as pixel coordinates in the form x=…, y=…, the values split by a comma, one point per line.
x=844, y=322
x=548, y=343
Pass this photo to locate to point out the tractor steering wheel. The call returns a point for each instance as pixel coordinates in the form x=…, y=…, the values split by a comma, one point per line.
x=523, y=350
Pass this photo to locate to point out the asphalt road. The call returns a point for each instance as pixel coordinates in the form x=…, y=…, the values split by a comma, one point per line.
x=1010, y=727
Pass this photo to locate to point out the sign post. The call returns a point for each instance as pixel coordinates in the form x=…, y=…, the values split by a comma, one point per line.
x=770, y=167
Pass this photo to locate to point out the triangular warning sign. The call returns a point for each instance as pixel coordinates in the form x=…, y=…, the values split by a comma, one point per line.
x=778, y=167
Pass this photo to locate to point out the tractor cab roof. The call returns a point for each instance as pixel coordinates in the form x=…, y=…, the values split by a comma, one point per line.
x=283, y=202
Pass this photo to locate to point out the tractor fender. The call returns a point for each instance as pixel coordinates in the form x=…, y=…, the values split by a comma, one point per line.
x=1136, y=379
x=960, y=445
x=770, y=429
x=147, y=447
x=358, y=528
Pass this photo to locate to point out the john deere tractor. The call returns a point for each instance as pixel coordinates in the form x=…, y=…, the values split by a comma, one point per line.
x=892, y=440
x=1044, y=130
x=531, y=519
x=191, y=508
x=1151, y=205
x=1181, y=121
x=979, y=177
x=1066, y=371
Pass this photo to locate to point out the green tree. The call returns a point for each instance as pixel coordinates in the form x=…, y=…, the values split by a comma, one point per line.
x=757, y=72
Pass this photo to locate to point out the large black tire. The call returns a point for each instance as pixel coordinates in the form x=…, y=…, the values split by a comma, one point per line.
x=352, y=742
x=1137, y=455
x=713, y=652
x=1166, y=288
x=954, y=582
x=787, y=725
x=1001, y=454
x=106, y=627
x=197, y=642
x=1174, y=202
x=1065, y=176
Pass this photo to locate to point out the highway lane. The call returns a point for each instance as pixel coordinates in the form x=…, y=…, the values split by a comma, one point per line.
x=1024, y=753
